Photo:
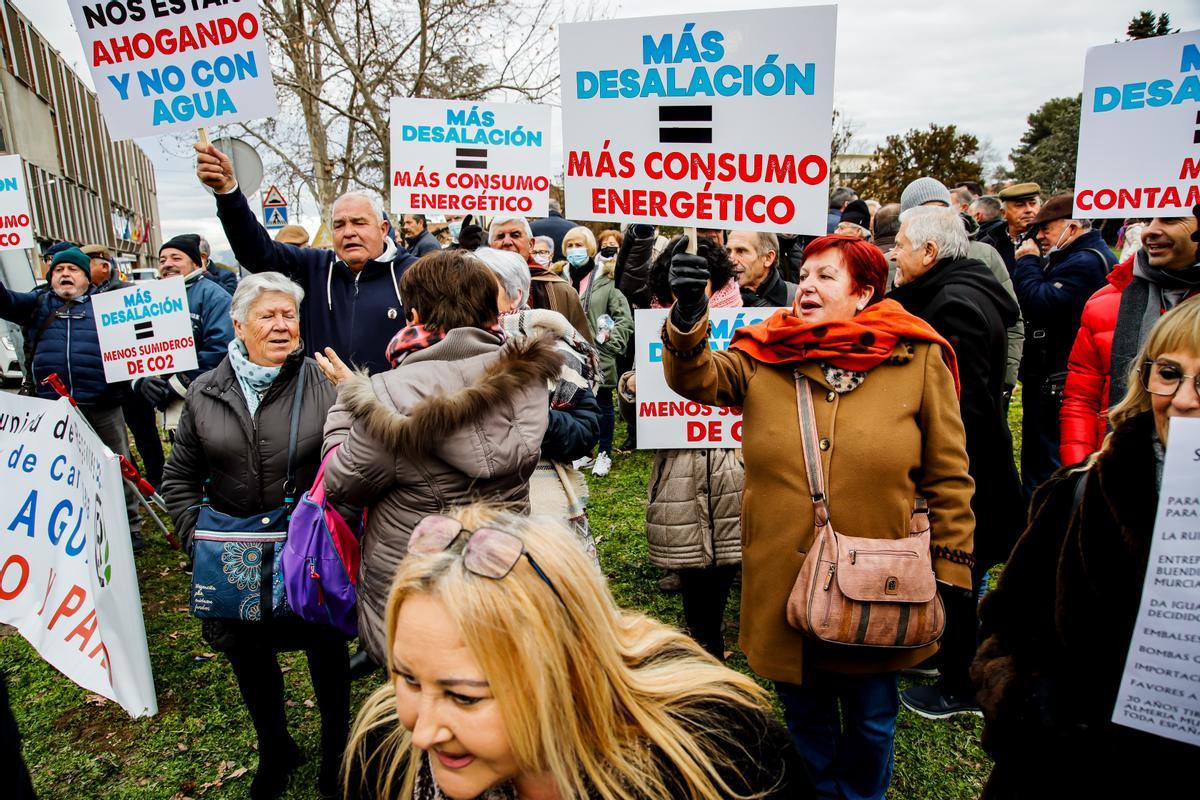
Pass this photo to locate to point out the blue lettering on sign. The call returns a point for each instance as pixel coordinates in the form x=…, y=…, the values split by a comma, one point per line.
x=1156, y=93
x=8, y=185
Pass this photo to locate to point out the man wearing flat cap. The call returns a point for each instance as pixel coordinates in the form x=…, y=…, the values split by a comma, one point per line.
x=1019, y=206
x=208, y=306
x=1055, y=274
x=61, y=326
x=104, y=274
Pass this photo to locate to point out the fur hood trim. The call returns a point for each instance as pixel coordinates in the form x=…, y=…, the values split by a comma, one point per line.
x=521, y=363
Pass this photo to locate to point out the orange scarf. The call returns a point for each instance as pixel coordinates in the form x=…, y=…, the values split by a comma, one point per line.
x=858, y=344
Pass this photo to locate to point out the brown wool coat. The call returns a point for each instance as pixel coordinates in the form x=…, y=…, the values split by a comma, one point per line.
x=897, y=434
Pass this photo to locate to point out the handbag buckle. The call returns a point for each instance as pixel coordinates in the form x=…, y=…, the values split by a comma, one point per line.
x=891, y=585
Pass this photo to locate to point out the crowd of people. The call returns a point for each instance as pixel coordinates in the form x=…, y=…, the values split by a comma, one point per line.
x=457, y=393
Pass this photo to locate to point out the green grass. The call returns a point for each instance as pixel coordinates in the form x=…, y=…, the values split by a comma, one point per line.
x=201, y=742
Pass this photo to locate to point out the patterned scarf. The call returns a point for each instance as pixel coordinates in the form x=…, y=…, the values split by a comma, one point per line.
x=408, y=340
x=856, y=344
x=728, y=296
x=254, y=379
x=581, y=368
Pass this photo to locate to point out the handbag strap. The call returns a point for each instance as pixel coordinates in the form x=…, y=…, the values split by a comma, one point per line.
x=289, y=484
x=812, y=455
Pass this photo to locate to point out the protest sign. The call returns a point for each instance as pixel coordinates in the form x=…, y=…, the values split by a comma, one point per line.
x=711, y=120
x=459, y=157
x=16, y=221
x=666, y=420
x=145, y=330
x=67, y=577
x=171, y=67
x=1145, y=92
x=1160, y=688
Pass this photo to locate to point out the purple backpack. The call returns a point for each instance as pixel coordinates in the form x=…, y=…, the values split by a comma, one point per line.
x=320, y=560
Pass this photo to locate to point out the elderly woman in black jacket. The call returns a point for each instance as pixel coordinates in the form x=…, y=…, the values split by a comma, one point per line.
x=232, y=445
x=1057, y=629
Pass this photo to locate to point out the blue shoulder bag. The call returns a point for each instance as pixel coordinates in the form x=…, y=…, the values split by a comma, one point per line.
x=230, y=555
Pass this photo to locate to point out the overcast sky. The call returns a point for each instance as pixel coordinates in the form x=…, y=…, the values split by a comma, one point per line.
x=900, y=64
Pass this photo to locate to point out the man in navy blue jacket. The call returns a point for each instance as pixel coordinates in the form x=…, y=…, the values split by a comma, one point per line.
x=62, y=324
x=1052, y=292
x=352, y=297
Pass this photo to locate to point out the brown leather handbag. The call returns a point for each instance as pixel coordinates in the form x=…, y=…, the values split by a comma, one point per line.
x=858, y=591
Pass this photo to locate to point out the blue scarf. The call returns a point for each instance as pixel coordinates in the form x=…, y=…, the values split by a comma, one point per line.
x=255, y=379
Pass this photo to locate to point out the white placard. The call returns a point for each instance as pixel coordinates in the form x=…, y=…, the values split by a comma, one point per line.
x=667, y=420
x=712, y=120
x=169, y=66
x=1160, y=688
x=67, y=577
x=145, y=330
x=16, y=220
x=460, y=157
x=1145, y=95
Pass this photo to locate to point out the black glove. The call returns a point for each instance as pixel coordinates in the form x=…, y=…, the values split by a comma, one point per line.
x=156, y=391
x=470, y=236
x=689, y=280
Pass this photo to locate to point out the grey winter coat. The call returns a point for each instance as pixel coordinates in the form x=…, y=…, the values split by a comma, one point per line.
x=245, y=457
x=459, y=421
x=693, y=519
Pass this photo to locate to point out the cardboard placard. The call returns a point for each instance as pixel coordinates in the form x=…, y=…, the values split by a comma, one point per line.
x=460, y=157
x=716, y=120
x=16, y=219
x=172, y=67
x=145, y=330
x=666, y=420
x=1160, y=688
x=1144, y=95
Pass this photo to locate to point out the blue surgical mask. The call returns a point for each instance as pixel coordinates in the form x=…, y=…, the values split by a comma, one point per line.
x=455, y=227
x=576, y=256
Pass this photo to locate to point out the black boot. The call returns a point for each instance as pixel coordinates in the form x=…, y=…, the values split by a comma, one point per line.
x=362, y=665
x=276, y=763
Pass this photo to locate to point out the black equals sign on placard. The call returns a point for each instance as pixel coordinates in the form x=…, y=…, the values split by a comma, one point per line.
x=143, y=330
x=1196, y=135
x=691, y=134
x=470, y=157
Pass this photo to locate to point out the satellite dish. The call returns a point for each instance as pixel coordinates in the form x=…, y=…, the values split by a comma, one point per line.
x=247, y=166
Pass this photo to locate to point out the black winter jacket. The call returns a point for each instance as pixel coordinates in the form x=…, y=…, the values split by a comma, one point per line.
x=1056, y=631
x=244, y=457
x=965, y=303
x=356, y=314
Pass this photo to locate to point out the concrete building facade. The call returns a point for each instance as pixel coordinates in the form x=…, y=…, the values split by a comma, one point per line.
x=83, y=186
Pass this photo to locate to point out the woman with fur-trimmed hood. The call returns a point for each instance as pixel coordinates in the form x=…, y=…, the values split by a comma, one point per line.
x=460, y=418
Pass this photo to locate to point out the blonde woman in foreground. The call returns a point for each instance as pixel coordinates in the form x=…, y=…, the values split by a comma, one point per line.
x=514, y=675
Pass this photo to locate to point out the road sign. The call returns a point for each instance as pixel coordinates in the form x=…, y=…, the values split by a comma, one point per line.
x=275, y=217
x=274, y=197
x=322, y=239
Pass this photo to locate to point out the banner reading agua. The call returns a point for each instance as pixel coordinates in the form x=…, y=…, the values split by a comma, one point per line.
x=67, y=577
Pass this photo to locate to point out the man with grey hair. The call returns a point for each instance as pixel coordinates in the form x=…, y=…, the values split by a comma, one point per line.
x=352, y=299
x=555, y=226
x=755, y=257
x=937, y=281
x=548, y=290
x=223, y=276
x=986, y=210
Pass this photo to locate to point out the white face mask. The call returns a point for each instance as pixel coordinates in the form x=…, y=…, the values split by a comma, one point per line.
x=1058, y=245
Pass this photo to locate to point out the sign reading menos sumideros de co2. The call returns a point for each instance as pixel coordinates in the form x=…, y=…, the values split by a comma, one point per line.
x=713, y=120
x=145, y=330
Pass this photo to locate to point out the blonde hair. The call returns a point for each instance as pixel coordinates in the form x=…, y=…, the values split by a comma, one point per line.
x=1177, y=330
x=585, y=233
x=642, y=694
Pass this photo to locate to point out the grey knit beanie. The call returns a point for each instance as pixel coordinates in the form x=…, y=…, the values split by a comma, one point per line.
x=922, y=191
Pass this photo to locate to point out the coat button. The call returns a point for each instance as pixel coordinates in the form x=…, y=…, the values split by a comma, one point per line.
x=829, y=398
x=825, y=443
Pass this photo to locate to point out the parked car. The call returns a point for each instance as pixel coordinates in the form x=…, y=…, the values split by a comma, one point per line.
x=17, y=272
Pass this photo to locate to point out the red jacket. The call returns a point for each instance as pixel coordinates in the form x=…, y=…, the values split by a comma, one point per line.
x=1084, y=417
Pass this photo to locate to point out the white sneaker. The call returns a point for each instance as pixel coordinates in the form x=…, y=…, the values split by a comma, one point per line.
x=602, y=466
x=582, y=463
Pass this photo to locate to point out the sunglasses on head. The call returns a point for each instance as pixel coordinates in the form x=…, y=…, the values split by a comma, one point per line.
x=488, y=553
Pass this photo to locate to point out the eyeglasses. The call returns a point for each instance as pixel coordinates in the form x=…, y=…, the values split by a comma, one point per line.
x=1164, y=379
x=489, y=553
x=539, y=252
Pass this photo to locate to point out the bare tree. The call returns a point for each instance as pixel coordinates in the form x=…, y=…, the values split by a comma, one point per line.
x=337, y=64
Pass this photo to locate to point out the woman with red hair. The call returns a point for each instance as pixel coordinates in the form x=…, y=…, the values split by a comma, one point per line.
x=886, y=410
